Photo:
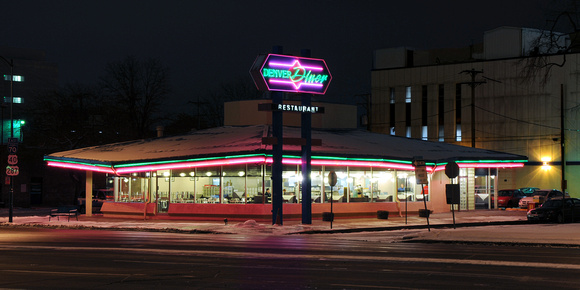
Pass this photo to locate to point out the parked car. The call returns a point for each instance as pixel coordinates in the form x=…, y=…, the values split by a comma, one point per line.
x=557, y=209
x=99, y=196
x=540, y=196
x=527, y=191
x=508, y=197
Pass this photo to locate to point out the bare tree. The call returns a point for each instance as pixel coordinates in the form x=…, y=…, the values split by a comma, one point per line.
x=550, y=47
x=239, y=89
x=138, y=87
x=72, y=117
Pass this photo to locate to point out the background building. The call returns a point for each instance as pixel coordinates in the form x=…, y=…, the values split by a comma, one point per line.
x=526, y=102
x=33, y=76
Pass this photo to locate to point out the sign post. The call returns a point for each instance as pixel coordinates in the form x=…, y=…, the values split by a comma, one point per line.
x=11, y=171
x=452, y=190
x=332, y=179
x=422, y=178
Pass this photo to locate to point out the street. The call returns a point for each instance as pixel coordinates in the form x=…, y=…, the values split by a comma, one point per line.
x=68, y=258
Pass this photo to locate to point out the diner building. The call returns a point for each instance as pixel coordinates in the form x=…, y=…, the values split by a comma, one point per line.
x=226, y=172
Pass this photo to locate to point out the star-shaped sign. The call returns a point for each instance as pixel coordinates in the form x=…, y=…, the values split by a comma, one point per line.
x=291, y=74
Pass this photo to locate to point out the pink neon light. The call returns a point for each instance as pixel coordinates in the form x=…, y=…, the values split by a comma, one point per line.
x=80, y=167
x=490, y=165
x=269, y=160
x=483, y=165
x=296, y=85
x=272, y=63
x=354, y=163
x=182, y=165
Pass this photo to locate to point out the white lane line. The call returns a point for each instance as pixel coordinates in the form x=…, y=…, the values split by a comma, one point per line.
x=182, y=252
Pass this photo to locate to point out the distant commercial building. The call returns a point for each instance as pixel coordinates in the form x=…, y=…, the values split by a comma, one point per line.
x=519, y=107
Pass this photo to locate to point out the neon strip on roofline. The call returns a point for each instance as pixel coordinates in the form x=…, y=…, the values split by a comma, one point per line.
x=80, y=166
x=263, y=158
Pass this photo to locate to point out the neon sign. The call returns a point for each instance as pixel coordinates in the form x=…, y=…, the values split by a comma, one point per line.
x=286, y=73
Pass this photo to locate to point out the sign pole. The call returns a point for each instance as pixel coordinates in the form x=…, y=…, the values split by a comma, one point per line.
x=421, y=177
x=332, y=180
x=277, y=151
x=452, y=190
x=306, y=132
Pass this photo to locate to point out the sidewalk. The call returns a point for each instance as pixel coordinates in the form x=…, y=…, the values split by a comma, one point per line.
x=492, y=226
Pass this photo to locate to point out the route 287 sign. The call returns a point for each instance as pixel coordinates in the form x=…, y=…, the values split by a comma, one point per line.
x=285, y=73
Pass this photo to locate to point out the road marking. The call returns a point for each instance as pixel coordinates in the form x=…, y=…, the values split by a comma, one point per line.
x=182, y=252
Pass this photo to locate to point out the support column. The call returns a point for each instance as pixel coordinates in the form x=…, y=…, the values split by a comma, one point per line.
x=89, y=193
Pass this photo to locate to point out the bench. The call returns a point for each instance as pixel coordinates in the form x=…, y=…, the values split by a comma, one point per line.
x=67, y=211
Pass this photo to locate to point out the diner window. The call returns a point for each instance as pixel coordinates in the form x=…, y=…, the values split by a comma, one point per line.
x=182, y=185
x=208, y=185
x=234, y=184
x=383, y=185
x=406, y=185
x=291, y=183
x=255, y=183
x=340, y=191
x=317, y=180
x=360, y=186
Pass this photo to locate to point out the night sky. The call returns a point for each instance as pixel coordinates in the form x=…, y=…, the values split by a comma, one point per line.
x=208, y=43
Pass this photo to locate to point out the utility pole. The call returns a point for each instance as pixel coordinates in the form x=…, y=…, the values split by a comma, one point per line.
x=473, y=84
x=562, y=135
x=198, y=103
x=11, y=177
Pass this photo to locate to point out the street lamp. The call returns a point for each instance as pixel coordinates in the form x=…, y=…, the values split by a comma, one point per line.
x=11, y=196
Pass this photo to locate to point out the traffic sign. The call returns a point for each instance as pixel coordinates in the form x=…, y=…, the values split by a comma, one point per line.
x=420, y=172
x=12, y=145
x=452, y=169
x=12, y=170
x=12, y=159
x=332, y=178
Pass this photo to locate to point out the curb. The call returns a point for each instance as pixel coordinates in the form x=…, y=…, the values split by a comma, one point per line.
x=411, y=227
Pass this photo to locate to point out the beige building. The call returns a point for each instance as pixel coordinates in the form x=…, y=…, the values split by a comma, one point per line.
x=427, y=94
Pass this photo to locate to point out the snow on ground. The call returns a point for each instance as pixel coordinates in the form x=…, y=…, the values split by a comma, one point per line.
x=387, y=231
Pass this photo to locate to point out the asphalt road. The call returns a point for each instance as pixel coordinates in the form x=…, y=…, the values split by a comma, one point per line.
x=39, y=258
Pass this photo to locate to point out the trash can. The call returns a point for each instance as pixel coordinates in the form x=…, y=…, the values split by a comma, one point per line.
x=424, y=213
x=382, y=214
x=327, y=216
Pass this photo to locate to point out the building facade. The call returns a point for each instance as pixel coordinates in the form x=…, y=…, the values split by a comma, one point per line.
x=487, y=96
x=226, y=172
x=32, y=76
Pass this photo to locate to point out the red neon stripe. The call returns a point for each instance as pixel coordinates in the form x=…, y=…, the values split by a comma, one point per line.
x=80, y=167
x=182, y=165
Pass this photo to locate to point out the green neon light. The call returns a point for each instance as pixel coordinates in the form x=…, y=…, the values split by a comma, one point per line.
x=299, y=75
x=186, y=160
x=270, y=156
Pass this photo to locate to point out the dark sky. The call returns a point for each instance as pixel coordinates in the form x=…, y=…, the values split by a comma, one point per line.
x=207, y=43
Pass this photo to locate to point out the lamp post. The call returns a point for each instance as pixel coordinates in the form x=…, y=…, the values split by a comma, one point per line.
x=11, y=196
